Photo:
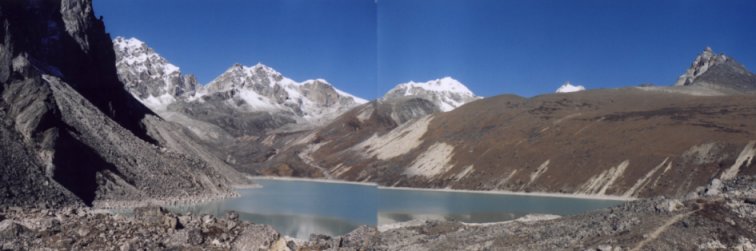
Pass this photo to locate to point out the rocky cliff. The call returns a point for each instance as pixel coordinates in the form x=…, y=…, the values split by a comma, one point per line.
x=69, y=130
x=718, y=71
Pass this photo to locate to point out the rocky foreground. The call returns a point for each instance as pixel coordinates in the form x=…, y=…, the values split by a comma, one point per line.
x=719, y=216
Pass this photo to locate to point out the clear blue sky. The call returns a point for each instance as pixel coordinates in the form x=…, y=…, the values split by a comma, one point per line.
x=493, y=46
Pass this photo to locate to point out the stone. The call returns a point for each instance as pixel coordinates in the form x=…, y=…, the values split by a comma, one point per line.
x=714, y=188
x=171, y=222
x=208, y=219
x=232, y=215
x=195, y=237
x=291, y=245
x=83, y=231
x=9, y=230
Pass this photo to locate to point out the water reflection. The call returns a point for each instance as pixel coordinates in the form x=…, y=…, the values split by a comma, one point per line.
x=299, y=208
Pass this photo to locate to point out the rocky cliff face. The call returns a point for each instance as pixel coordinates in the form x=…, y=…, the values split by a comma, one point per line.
x=69, y=130
x=446, y=93
x=718, y=71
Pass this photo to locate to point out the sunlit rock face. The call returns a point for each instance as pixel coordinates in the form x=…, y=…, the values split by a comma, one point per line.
x=718, y=71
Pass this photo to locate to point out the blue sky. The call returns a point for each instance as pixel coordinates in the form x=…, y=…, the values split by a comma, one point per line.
x=493, y=46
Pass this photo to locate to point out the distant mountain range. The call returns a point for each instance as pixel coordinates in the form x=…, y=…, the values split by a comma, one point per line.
x=259, y=88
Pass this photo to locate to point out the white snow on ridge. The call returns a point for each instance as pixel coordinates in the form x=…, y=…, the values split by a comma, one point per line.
x=265, y=89
x=445, y=84
x=447, y=93
x=136, y=54
x=568, y=87
x=158, y=83
x=158, y=103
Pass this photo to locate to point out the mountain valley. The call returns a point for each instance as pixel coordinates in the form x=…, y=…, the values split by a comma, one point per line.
x=91, y=124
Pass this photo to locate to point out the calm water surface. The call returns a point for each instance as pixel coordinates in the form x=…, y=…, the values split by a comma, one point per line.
x=299, y=208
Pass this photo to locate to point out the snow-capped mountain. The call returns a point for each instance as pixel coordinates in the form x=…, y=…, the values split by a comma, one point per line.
x=262, y=88
x=150, y=77
x=568, y=87
x=259, y=88
x=447, y=93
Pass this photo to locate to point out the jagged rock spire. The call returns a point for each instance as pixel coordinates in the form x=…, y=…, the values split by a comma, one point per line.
x=701, y=64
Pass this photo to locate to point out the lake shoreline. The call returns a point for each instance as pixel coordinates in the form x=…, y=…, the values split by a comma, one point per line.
x=499, y=192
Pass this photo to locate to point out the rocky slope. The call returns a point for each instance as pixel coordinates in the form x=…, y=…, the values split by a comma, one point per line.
x=718, y=71
x=446, y=93
x=718, y=216
x=630, y=142
x=68, y=129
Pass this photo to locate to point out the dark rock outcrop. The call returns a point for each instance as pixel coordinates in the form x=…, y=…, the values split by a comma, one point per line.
x=68, y=129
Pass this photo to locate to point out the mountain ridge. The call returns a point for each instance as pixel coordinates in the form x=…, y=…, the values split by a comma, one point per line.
x=447, y=93
x=718, y=71
x=259, y=88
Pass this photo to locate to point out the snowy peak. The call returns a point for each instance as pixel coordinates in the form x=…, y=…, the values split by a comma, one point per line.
x=258, y=88
x=136, y=54
x=701, y=64
x=442, y=85
x=568, y=87
x=447, y=93
x=239, y=76
x=148, y=76
x=262, y=88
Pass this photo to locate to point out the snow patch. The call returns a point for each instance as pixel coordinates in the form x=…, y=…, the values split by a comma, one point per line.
x=356, y=99
x=445, y=84
x=256, y=101
x=568, y=87
x=158, y=103
x=432, y=162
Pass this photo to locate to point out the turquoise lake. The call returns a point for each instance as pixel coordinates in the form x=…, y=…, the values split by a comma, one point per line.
x=299, y=208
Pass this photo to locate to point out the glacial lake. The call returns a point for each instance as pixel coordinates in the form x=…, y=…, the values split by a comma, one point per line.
x=298, y=208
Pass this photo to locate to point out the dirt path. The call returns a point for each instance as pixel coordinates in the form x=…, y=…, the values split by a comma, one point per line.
x=655, y=234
